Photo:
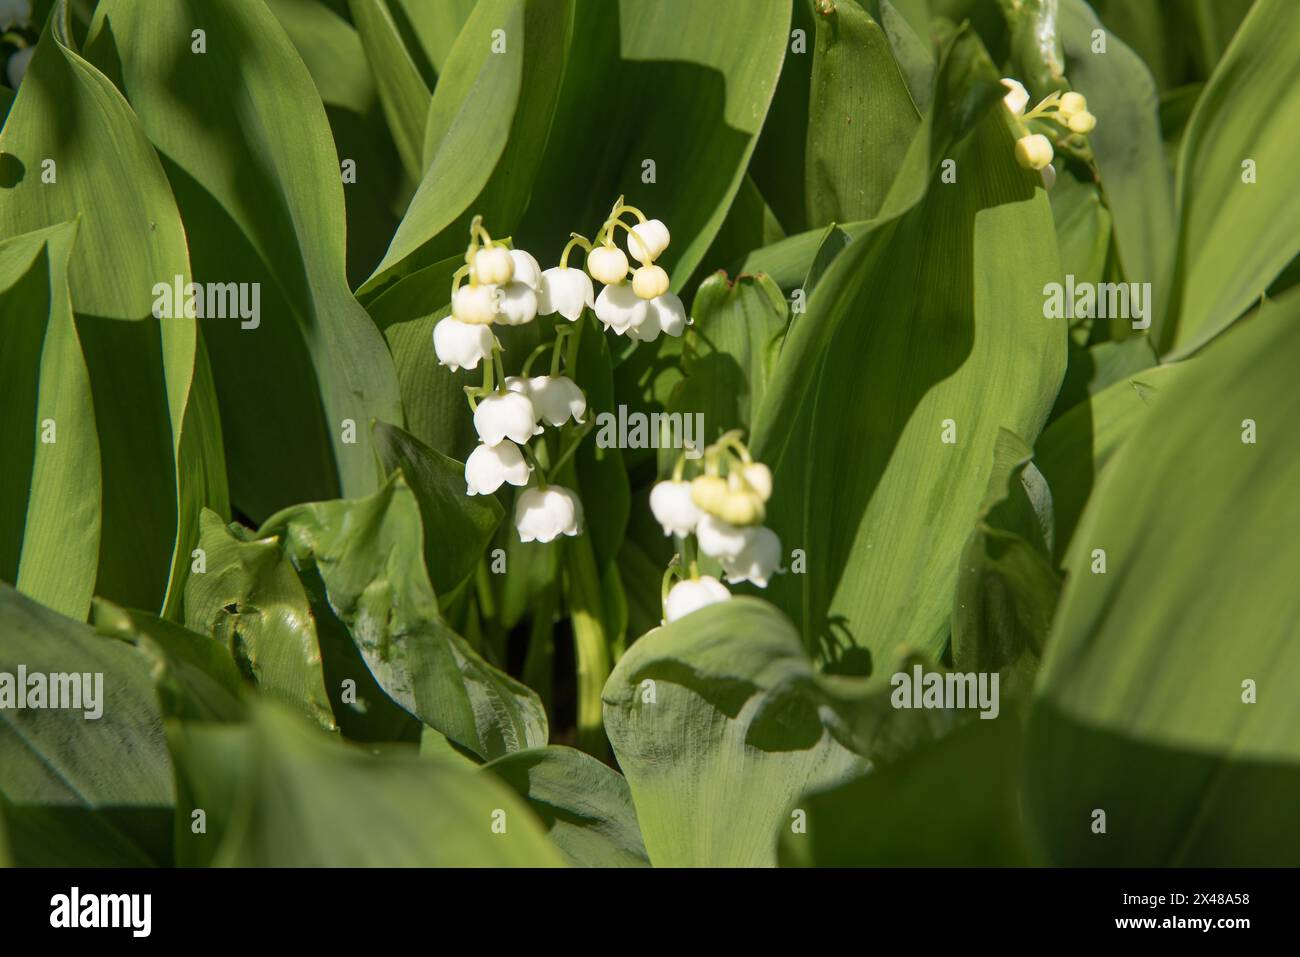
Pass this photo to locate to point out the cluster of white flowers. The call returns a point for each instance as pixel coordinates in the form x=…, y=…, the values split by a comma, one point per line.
x=499, y=285
x=1034, y=150
x=16, y=13
x=719, y=512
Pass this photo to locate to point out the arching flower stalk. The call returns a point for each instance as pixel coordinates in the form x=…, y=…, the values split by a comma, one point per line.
x=718, y=514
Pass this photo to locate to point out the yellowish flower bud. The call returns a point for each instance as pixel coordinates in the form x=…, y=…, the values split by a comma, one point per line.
x=649, y=282
x=1082, y=122
x=1034, y=151
x=1071, y=103
x=493, y=266
x=607, y=264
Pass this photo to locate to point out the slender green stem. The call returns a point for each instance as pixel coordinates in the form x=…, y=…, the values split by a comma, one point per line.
x=572, y=447
x=575, y=239
x=591, y=644
x=539, y=663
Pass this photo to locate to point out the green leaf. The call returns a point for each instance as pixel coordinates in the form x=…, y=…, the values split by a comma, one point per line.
x=276, y=219
x=152, y=402
x=1166, y=697
x=954, y=803
x=278, y=794
x=50, y=520
x=195, y=677
x=1007, y=586
x=602, y=476
x=437, y=25
x=934, y=317
x=720, y=722
x=1126, y=142
x=1074, y=449
x=457, y=527
x=487, y=121
x=402, y=91
x=79, y=790
x=860, y=119
x=585, y=806
x=1234, y=237
x=370, y=556
x=249, y=598
x=682, y=83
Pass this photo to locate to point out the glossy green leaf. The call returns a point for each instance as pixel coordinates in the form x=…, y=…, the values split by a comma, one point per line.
x=280, y=794
x=692, y=83
x=585, y=806
x=457, y=527
x=720, y=722
x=153, y=409
x=320, y=367
x=49, y=476
x=436, y=25
x=929, y=323
x=487, y=121
x=1126, y=142
x=402, y=91
x=249, y=598
x=1235, y=236
x=951, y=804
x=78, y=790
x=861, y=117
x=370, y=556
x=1166, y=698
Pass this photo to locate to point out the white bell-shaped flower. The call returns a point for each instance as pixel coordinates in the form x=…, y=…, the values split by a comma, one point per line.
x=756, y=562
x=664, y=314
x=460, y=345
x=621, y=309
x=722, y=540
x=647, y=241
x=489, y=466
x=673, y=507
x=516, y=304
x=522, y=386
x=476, y=305
x=692, y=594
x=567, y=291
x=607, y=264
x=1017, y=97
x=505, y=415
x=15, y=13
x=1048, y=173
x=542, y=515
x=557, y=399
x=16, y=68
x=493, y=265
x=526, y=271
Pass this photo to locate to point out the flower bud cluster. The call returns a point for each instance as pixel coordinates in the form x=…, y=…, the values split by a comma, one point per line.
x=1035, y=150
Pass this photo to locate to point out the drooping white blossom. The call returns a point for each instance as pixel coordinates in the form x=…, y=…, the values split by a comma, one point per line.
x=15, y=13
x=493, y=265
x=673, y=508
x=475, y=305
x=647, y=241
x=692, y=594
x=756, y=562
x=542, y=515
x=722, y=540
x=621, y=309
x=490, y=466
x=556, y=399
x=664, y=314
x=16, y=68
x=567, y=291
x=460, y=345
x=505, y=415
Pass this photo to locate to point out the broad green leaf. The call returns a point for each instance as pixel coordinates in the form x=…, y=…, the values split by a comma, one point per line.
x=296, y=391
x=1074, y=449
x=1007, y=586
x=681, y=83
x=152, y=402
x=1083, y=227
x=49, y=475
x=1167, y=694
x=457, y=527
x=402, y=91
x=280, y=794
x=750, y=224
x=487, y=122
x=333, y=53
x=195, y=676
x=860, y=119
x=953, y=803
x=929, y=323
x=720, y=722
x=788, y=261
x=1126, y=142
x=1235, y=236
x=585, y=806
x=249, y=598
x=437, y=25
x=78, y=789
x=370, y=556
